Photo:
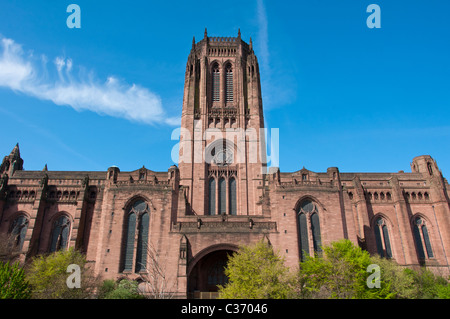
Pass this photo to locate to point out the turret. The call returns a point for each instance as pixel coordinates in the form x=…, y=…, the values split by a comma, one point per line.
x=13, y=162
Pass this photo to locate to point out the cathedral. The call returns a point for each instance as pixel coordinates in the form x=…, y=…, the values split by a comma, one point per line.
x=186, y=221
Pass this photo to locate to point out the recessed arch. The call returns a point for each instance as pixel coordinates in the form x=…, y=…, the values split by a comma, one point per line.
x=135, y=234
x=422, y=233
x=135, y=198
x=309, y=216
x=320, y=207
x=18, y=228
x=208, y=250
x=382, y=228
x=383, y=215
x=19, y=213
x=61, y=225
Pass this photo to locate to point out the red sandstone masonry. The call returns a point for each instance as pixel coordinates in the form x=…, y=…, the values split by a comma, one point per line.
x=180, y=230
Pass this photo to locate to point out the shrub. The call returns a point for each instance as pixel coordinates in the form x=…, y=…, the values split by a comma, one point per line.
x=256, y=272
x=340, y=273
x=48, y=276
x=124, y=289
x=13, y=284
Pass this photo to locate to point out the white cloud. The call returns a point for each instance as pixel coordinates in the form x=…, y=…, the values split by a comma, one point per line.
x=112, y=97
x=59, y=62
x=13, y=70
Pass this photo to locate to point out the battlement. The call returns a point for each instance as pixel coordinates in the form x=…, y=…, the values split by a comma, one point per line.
x=223, y=39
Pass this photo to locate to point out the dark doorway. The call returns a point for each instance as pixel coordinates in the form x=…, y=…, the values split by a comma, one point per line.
x=208, y=272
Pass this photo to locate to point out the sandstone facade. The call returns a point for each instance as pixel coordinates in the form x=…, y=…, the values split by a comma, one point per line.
x=220, y=195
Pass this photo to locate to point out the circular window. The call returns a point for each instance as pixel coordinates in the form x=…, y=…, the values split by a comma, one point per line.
x=219, y=153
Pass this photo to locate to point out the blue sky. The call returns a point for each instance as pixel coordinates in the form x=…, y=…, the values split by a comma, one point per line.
x=341, y=94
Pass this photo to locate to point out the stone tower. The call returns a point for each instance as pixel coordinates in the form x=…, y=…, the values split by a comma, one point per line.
x=222, y=147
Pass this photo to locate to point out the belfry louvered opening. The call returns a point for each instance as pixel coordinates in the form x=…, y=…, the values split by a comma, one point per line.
x=215, y=83
x=229, y=83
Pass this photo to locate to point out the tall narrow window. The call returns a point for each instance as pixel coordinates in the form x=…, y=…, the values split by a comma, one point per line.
x=222, y=196
x=19, y=231
x=303, y=237
x=129, y=242
x=430, y=169
x=229, y=84
x=315, y=229
x=387, y=242
x=215, y=83
x=232, y=192
x=142, y=244
x=422, y=238
x=308, y=215
x=60, y=234
x=426, y=240
x=212, y=196
x=378, y=241
x=418, y=240
x=382, y=238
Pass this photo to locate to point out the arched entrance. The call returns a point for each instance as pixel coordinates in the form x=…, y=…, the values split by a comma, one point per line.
x=207, y=271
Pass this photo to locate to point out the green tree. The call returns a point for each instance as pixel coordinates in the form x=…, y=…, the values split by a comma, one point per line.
x=443, y=291
x=428, y=285
x=48, y=276
x=400, y=279
x=256, y=272
x=340, y=273
x=13, y=284
x=124, y=289
x=105, y=288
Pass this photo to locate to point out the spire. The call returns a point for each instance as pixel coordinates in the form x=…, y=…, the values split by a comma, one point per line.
x=13, y=162
x=251, y=44
x=239, y=33
x=206, y=34
x=15, y=153
x=45, y=168
x=193, y=42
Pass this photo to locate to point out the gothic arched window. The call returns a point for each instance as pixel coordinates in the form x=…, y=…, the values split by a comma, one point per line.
x=215, y=83
x=229, y=83
x=19, y=230
x=212, y=196
x=232, y=194
x=382, y=238
x=422, y=238
x=137, y=220
x=60, y=234
x=308, y=218
x=222, y=196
